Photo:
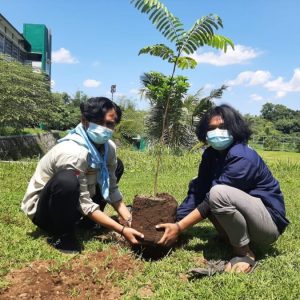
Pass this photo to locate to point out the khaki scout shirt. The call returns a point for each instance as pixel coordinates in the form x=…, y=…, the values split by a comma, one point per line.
x=71, y=156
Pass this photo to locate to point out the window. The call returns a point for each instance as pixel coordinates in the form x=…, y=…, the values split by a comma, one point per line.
x=1, y=43
x=22, y=56
x=15, y=52
x=8, y=47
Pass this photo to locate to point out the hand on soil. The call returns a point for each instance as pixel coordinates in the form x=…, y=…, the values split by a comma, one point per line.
x=131, y=235
x=171, y=234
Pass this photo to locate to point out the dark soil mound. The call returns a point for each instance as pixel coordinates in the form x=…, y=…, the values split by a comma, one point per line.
x=147, y=212
x=92, y=276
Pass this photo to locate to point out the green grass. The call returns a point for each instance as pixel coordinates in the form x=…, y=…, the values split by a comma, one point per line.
x=277, y=276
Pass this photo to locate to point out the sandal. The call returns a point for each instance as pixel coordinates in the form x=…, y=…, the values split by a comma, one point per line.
x=218, y=266
x=245, y=259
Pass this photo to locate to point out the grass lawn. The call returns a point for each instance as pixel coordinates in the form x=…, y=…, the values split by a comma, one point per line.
x=278, y=273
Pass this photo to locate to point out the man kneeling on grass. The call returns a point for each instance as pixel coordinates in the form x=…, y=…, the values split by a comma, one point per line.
x=234, y=189
x=77, y=177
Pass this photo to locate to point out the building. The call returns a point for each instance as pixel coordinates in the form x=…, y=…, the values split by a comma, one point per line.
x=32, y=47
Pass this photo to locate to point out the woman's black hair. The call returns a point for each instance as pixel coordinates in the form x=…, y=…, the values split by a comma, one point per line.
x=233, y=122
x=96, y=108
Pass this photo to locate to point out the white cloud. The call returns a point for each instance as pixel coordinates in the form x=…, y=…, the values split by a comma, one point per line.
x=241, y=55
x=282, y=88
x=63, y=56
x=91, y=83
x=134, y=91
x=256, y=97
x=263, y=78
x=52, y=83
x=251, y=78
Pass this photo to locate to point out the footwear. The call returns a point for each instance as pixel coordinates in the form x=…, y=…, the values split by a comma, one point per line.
x=213, y=267
x=217, y=267
x=245, y=259
x=66, y=243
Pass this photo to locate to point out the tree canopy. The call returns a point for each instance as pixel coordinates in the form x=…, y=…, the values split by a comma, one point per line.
x=284, y=119
x=25, y=98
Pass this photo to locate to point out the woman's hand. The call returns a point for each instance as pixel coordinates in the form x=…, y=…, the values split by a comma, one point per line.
x=124, y=213
x=172, y=231
x=132, y=235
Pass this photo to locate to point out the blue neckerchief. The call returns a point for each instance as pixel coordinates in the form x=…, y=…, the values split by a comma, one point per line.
x=96, y=161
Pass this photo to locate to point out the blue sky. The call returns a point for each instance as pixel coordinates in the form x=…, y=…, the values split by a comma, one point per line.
x=95, y=44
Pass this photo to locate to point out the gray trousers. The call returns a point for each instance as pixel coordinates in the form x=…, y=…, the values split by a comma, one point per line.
x=244, y=218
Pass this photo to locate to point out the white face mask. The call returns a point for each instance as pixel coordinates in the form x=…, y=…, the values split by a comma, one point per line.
x=219, y=139
x=99, y=134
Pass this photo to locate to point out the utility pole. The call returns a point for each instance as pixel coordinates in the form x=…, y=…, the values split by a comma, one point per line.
x=113, y=89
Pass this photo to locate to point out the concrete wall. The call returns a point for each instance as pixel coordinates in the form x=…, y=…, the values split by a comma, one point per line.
x=26, y=146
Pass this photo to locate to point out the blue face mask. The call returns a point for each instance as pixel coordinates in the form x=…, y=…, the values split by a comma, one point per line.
x=219, y=139
x=99, y=134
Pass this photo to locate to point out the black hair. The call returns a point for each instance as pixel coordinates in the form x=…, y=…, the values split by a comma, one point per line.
x=96, y=108
x=233, y=122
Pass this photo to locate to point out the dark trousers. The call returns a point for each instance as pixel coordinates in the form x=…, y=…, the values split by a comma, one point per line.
x=58, y=208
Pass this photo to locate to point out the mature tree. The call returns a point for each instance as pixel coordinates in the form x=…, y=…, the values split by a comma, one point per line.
x=65, y=115
x=261, y=127
x=25, y=98
x=288, y=126
x=79, y=97
x=66, y=97
x=285, y=119
x=274, y=112
x=132, y=123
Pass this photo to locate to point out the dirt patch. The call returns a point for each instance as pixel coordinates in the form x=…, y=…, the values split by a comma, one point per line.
x=146, y=291
x=91, y=276
x=148, y=212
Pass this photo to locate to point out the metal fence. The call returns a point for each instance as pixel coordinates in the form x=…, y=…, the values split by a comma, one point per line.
x=277, y=143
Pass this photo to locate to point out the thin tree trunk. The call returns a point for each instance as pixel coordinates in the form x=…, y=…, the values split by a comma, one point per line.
x=161, y=140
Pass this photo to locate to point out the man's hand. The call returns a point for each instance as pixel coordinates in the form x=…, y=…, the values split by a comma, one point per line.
x=132, y=235
x=172, y=231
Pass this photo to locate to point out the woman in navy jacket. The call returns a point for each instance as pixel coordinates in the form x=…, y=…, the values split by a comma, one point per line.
x=234, y=189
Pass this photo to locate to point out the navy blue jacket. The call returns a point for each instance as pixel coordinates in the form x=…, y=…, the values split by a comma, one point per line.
x=240, y=167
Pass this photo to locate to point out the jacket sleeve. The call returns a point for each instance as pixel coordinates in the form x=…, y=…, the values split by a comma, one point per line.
x=238, y=172
x=198, y=188
x=204, y=179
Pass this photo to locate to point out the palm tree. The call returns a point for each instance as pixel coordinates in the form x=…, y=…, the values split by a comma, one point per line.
x=204, y=104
